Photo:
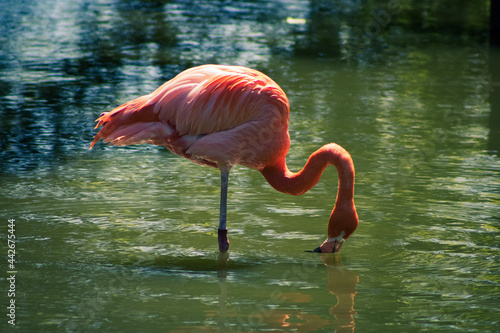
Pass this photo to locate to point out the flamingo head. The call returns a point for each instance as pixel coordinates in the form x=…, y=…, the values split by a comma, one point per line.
x=343, y=222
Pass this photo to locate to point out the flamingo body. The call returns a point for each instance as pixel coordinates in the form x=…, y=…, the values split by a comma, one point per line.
x=210, y=114
x=221, y=116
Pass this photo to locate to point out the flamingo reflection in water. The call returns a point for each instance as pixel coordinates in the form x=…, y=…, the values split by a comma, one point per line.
x=341, y=283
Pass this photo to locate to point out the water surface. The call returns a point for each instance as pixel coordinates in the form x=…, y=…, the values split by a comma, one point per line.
x=123, y=239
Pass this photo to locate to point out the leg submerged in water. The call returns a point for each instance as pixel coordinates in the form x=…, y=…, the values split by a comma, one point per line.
x=222, y=232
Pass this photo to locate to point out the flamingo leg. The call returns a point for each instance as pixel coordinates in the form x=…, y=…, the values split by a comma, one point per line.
x=222, y=232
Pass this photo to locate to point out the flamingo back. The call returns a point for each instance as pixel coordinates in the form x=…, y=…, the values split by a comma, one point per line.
x=210, y=98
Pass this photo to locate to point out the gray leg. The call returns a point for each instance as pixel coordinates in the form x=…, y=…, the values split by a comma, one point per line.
x=222, y=232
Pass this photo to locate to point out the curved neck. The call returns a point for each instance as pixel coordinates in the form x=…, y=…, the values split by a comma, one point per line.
x=297, y=183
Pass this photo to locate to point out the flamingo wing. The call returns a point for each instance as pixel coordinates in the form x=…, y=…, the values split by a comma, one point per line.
x=206, y=113
x=211, y=98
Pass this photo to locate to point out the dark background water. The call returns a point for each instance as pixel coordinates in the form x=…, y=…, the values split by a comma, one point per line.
x=122, y=239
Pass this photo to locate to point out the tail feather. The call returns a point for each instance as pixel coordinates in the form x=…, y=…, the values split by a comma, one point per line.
x=151, y=132
x=129, y=115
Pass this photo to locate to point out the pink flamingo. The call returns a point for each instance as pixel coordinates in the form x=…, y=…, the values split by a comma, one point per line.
x=220, y=116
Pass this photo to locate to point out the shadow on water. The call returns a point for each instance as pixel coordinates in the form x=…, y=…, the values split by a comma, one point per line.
x=194, y=262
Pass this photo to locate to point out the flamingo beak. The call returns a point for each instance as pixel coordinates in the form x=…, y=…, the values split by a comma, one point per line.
x=317, y=250
x=337, y=246
x=329, y=247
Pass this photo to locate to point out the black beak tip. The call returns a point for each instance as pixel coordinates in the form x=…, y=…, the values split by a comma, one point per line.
x=316, y=250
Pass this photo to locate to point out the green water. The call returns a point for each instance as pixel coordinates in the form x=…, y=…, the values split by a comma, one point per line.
x=123, y=239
